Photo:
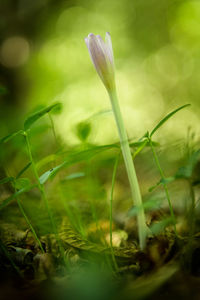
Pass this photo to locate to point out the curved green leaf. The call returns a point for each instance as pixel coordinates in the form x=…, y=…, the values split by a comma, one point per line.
x=187, y=170
x=74, y=176
x=13, y=196
x=46, y=160
x=140, y=148
x=166, y=118
x=75, y=158
x=159, y=227
x=162, y=181
x=21, y=183
x=23, y=170
x=149, y=205
x=10, y=136
x=34, y=117
x=7, y=179
x=50, y=173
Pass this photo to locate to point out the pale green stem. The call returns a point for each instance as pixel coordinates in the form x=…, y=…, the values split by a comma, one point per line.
x=164, y=185
x=111, y=197
x=111, y=210
x=134, y=185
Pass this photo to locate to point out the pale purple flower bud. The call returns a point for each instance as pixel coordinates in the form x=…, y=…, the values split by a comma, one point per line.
x=101, y=54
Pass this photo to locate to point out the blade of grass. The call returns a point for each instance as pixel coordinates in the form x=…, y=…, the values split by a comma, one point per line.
x=7, y=138
x=43, y=194
x=166, y=118
x=75, y=158
x=34, y=117
x=164, y=184
x=24, y=185
x=140, y=148
x=6, y=180
x=28, y=222
x=5, y=202
x=23, y=170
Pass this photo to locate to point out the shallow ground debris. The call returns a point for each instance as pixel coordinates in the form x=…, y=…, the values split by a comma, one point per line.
x=141, y=274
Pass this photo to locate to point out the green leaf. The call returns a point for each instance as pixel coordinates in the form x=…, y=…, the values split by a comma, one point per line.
x=76, y=157
x=149, y=205
x=100, y=113
x=140, y=148
x=83, y=130
x=159, y=227
x=7, y=179
x=152, y=188
x=57, y=109
x=74, y=176
x=6, y=201
x=47, y=175
x=34, y=117
x=10, y=136
x=23, y=170
x=46, y=160
x=187, y=170
x=166, y=118
x=141, y=144
x=21, y=183
x=162, y=181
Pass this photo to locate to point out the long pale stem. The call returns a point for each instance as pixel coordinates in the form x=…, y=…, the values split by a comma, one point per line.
x=134, y=185
x=111, y=210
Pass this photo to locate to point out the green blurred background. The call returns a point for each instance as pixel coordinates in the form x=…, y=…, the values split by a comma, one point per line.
x=43, y=59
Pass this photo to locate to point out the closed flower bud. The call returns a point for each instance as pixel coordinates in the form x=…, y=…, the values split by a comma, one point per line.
x=101, y=54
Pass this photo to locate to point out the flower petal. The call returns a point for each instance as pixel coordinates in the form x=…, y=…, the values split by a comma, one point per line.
x=102, y=57
x=102, y=44
x=97, y=54
x=87, y=42
x=109, y=46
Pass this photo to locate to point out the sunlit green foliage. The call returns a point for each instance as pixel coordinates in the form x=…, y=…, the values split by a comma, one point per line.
x=63, y=182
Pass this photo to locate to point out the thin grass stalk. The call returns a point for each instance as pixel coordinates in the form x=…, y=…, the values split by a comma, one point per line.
x=164, y=185
x=41, y=188
x=29, y=224
x=64, y=202
x=27, y=219
x=53, y=128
